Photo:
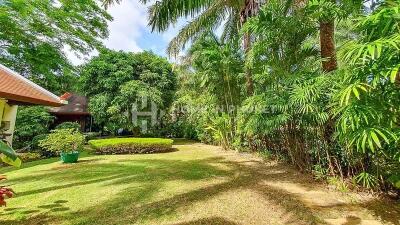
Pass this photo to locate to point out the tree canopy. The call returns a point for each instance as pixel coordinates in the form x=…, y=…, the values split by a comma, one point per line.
x=35, y=34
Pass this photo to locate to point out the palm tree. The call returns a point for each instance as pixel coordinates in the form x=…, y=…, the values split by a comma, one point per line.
x=327, y=26
x=327, y=42
x=206, y=15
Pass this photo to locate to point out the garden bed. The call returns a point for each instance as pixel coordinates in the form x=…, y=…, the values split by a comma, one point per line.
x=131, y=145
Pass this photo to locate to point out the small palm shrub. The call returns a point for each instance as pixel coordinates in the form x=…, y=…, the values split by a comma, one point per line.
x=63, y=140
x=131, y=145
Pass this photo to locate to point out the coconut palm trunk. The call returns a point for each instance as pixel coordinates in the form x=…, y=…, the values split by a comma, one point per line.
x=327, y=39
x=327, y=42
x=250, y=9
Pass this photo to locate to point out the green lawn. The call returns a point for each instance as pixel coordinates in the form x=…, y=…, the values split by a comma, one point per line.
x=106, y=189
x=198, y=184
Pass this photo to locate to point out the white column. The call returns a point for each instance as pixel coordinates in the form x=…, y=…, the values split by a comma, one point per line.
x=2, y=104
x=10, y=114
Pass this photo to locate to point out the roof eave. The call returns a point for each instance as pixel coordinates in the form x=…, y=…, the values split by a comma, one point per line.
x=34, y=101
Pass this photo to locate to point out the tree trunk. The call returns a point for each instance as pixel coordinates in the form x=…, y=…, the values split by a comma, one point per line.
x=327, y=42
x=249, y=76
x=250, y=9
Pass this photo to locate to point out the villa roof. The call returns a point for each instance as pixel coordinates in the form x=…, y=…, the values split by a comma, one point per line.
x=77, y=105
x=19, y=90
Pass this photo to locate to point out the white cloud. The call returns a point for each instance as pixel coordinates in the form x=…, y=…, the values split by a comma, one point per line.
x=130, y=18
x=173, y=30
x=129, y=28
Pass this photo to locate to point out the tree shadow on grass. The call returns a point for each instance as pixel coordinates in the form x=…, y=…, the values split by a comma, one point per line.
x=136, y=205
x=379, y=208
x=134, y=211
x=56, y=206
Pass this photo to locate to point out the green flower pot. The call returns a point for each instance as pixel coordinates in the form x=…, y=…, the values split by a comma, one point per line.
x=69, y=157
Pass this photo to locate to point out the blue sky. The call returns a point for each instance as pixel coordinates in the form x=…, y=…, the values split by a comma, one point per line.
x=129, y=31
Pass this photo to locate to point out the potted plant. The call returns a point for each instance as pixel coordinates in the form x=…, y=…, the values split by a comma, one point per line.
x=66, y=142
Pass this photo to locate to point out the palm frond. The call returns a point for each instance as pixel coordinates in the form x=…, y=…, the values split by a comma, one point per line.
x=164, y=13
x=207, y=21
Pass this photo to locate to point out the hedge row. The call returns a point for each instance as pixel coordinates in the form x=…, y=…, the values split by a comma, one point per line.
x=131, y=145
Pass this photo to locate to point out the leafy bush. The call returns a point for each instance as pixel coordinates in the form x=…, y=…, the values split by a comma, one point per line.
x=35, y=148
x=31, y=121
x=69, y=125
x=131, y=145
x=63, y=140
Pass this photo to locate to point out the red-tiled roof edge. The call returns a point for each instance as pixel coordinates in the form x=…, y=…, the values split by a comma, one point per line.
x=65, y=96
x=37, y=87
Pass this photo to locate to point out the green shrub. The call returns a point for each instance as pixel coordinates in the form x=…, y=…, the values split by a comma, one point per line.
x=63, y=140
x=35, y=148
x=91, y=135
x=30, y=122
x=131, y=145
x=69, y=125
x=29, y=156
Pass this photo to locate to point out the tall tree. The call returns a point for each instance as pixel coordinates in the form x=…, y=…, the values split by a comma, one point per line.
x=115, y=80
x=34, y=35
x=249, y=10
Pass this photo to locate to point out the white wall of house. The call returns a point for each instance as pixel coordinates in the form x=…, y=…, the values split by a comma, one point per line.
x=8, y=113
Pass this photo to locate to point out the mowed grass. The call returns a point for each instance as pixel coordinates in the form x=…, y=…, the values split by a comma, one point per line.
x=197, y=184
x=123, y=189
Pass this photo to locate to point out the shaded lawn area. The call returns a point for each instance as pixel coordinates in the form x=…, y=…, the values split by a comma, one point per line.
x=198, y=184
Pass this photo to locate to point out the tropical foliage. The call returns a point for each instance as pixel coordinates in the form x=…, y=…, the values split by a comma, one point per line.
x=69, y=125
x=336, y=118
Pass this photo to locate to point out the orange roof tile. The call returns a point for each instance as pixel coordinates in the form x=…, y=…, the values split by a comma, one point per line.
x=17, y=88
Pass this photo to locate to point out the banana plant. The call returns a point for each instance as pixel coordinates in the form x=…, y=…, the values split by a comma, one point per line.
x=8, y=155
